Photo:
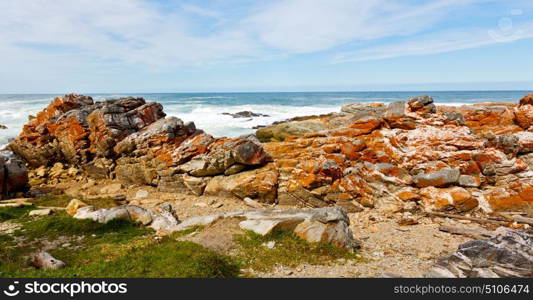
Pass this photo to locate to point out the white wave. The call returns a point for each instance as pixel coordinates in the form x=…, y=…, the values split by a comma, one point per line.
x=211, y=119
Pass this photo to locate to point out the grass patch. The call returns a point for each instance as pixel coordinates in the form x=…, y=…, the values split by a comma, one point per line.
x=5, y=238
x=11, y=213
x=63, y=200
x=140, y=257
x=169, y=258
x=118, y=248
x=64, y=225
x=290, y=250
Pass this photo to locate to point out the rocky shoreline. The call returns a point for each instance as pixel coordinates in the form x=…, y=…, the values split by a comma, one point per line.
x=405, y=159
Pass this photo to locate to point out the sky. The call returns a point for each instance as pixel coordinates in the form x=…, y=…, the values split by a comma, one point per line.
x=142, y=46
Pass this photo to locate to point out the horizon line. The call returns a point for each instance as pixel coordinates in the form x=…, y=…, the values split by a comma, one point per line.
x=280, y=92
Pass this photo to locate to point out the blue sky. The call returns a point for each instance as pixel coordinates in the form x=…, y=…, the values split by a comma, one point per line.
x=280, y=45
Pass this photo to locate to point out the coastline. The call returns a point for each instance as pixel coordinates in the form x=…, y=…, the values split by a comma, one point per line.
x=387, y=171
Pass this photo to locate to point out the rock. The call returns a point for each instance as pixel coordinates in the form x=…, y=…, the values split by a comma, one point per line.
x=225, y=153
x=336, y=233
x=364, y=109
x=290, y=129
x=13, y=175
x=350, y=206
x=43, y=260
x=407, y=219
x=40, y=212
x=507, y=254
x=252, y=203
x=139, y=214
x=469, y=181
x=245, y=114
x=195, y=184
x=396, y=117
x=127, y=212
x=74, y=129
x=259, y=184
x=422, y=104
x=3, y=126
x=456, y=198
x=141, y=194
x=111, y=188
x=328, y=224
x=443, y=177
x=269, y=245
x=524, y=112
x=73, y=206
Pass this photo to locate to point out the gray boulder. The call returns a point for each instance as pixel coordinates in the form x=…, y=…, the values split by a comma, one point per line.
x=508, y=254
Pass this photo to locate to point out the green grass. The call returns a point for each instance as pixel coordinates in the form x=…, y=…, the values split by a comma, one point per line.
x=118, y=248
x=12, y=213
x=121, y=248
x=5, y=238
x=64, y=225
x=290, y=250
x=167, y=258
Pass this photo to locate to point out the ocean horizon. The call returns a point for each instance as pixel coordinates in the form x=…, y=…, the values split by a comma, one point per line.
x=206, y=109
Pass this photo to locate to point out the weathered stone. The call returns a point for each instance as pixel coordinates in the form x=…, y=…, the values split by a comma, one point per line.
x=41, y=212
x=469, y=181
x=290, y=129
x=508, y=254
x=396, y=117
x=195, y=184
x=13, y=175
x=73, y=206
x=111, y=188
x=44, y=260
x=364, y=109
x=259, y=184
x=524, y=112
x=422, y=104
x=245, y=114
x=141, y=194
x=443, y=177
x=456, y=198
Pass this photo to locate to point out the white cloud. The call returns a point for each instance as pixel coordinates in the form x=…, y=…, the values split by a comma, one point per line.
x=440, y=42
x=42, y=34
x=301, y=26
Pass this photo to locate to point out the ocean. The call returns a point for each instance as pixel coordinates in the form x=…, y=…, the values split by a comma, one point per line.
x=206, y=109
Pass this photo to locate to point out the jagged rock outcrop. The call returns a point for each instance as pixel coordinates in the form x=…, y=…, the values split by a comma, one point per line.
x=75, y=129
x=131, y=140
x=508, y=254
x=441, y=158
x=13, y=175
x=448, y=158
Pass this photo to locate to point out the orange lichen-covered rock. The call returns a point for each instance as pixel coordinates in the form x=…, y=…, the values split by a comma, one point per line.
x=506, y=199
x=37, y=143
x=524, y=112
x=487, y=119
x=455, y=198
x=117, y=119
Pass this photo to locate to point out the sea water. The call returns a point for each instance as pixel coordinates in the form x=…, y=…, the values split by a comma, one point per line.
x=205, y=109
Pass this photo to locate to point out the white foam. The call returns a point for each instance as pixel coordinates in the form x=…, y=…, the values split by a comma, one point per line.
x=211, y=119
